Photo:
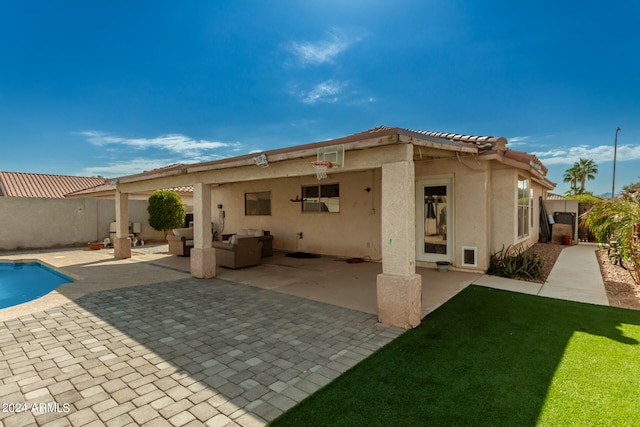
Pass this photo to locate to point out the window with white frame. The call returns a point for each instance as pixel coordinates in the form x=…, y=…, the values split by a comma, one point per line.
x=321, y=198
x=524, y=207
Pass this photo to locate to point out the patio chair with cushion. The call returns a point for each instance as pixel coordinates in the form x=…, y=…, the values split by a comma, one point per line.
x=238, y=252
x=181, y=241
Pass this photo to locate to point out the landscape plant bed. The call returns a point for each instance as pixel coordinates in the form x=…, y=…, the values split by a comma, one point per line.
x=491, y=357
x=549, y=252
x=622, y=291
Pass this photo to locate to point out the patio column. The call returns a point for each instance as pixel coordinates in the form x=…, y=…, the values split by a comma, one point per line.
x=399, y=288
x=203, y=256
x=122, y=245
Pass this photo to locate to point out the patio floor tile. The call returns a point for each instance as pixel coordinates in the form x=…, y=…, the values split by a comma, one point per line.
x=180, y=352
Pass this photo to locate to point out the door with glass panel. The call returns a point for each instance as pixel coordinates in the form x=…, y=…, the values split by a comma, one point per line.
x=433, y=220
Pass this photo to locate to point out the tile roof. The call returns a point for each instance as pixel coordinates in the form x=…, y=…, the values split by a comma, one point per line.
x=554, y=196
x=485, y=147
x=483, y=142
x=19, y=184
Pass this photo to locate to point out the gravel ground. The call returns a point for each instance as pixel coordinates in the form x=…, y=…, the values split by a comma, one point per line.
x=549, y=254
x=621, y=290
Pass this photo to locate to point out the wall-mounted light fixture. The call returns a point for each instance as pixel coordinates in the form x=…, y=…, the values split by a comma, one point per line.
x=261, y=160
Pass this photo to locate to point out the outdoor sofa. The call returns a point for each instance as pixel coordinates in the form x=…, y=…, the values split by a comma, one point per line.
x=264, y=235
x=239, y=251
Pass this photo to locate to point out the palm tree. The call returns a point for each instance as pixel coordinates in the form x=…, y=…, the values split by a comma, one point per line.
x=619, y=220
x=587, y=170
x=571, y=175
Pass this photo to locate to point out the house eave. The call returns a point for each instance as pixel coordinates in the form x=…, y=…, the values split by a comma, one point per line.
x=148, y=175
x=536, y=174
x=377, y=137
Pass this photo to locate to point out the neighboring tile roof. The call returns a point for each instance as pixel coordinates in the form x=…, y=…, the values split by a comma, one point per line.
x=19, y=184
x=103, y=188
x=554, y=196
x=184, y=189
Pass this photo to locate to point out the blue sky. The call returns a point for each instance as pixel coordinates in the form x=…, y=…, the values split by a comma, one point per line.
x=91, y=88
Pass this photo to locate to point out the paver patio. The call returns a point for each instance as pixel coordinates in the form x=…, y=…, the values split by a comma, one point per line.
x=183, y=352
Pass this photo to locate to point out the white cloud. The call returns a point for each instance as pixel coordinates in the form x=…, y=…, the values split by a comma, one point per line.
x=159, y=152
x=320, y=52
x=599, y=154
x=174, y=143
x=327, y=92
x=519, y=140
x=123, y=168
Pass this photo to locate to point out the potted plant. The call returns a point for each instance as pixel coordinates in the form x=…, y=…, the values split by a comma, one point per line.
x=443, y=265
x=95, y=246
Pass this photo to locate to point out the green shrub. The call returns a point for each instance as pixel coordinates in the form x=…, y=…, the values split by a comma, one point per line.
x=618, y=219
x=166, y=211
x=517, y=263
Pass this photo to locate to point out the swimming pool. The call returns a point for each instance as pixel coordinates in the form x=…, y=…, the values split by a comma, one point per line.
x=25, y=281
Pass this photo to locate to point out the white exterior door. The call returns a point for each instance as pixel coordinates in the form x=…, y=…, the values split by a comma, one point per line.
x=434, y=225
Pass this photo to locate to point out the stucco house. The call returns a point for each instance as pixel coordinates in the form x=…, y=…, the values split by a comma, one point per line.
x=399, y=196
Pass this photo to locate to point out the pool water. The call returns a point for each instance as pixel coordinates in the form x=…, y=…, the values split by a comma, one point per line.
x=25, y=281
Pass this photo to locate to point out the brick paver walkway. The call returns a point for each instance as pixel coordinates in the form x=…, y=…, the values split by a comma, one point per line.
x=186, y=352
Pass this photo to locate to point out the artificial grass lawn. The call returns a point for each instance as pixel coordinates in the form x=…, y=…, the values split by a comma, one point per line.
x=490, y=357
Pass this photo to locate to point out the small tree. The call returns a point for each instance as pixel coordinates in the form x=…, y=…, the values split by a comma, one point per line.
x=166, y=211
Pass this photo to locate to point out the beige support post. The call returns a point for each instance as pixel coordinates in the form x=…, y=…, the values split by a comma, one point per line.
x=122, y=245
x=203, y=256
x=399, y=288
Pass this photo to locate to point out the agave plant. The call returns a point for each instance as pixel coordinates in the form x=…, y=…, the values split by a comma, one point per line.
x=618, y=220
x=516, y=263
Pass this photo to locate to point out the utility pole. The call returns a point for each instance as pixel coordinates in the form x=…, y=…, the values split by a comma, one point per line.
x=615, y=152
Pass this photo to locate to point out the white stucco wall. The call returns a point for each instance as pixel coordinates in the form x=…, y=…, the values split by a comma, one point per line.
x=504, y=208
x=471, y=196
x=44, y=223
x=353, y=232
x=485, y=210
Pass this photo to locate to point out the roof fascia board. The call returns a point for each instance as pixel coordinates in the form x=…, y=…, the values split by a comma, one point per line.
x=177, y=170
x=541, y=179
x=299, y=152
x=544, y=182
x=438, y=143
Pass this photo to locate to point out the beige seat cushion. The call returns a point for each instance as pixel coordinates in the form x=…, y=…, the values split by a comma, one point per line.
x=183, y=232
